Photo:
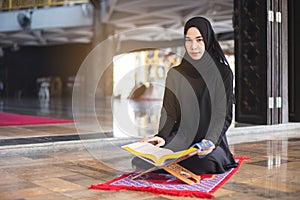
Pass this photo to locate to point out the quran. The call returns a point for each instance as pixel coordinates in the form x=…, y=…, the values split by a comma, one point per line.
x=167, y=159
x=161, y=156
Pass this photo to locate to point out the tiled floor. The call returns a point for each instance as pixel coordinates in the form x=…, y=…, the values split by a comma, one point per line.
x=66, y=173
x=272, y=173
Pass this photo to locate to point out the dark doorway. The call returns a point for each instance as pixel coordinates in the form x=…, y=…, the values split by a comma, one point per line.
x=294, y=60
x=251, y=60
x=260, y=29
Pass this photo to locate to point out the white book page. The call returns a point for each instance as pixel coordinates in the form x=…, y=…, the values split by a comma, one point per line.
x=147, y=148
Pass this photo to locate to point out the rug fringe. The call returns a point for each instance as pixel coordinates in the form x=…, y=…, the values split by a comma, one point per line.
x=154, y=190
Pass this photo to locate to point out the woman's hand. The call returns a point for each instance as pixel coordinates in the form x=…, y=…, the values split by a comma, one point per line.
x=207, y=150
x=156, y=141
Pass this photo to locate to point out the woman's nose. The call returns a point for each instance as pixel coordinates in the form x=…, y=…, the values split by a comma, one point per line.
x=194, y=45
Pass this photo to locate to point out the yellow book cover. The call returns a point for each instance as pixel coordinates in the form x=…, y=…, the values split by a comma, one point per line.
x=156, y=155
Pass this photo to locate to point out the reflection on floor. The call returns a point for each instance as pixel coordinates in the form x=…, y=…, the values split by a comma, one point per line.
x=272, y=173
x=30, y=172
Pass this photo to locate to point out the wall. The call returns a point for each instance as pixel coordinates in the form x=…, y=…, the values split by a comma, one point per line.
x=20, y=69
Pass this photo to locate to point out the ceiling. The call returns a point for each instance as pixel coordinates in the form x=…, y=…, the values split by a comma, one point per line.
x=168, y=14
x=155, y=20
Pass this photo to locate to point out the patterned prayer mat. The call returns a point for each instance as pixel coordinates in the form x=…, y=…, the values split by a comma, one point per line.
x=167, y=184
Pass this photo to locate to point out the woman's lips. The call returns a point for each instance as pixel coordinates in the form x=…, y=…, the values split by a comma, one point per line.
x=195, y=53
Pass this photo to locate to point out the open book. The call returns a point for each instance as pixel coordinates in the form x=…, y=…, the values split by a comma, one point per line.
x=161, y=156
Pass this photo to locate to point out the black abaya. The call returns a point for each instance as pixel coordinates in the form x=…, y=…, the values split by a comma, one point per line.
x=197, y=105
x=187, y=91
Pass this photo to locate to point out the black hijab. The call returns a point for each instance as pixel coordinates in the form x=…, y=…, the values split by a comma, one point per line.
x=212, y=45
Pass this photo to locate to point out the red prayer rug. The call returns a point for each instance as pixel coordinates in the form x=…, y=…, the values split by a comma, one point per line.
x=159, y=183
x=9, y=119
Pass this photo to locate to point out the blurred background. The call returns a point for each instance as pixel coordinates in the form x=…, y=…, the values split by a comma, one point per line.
x=44, y=43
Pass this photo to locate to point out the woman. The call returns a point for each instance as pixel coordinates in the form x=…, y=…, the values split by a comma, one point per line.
x=197, y=104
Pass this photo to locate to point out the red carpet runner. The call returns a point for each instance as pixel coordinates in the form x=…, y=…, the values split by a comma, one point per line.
x=168, y=184
x=8, y=119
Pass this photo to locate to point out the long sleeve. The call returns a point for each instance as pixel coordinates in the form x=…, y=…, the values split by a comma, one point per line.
x=222, y=109
x=170, y=112
x=228, y=83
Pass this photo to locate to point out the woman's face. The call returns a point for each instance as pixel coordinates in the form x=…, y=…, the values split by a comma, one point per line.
x=194, y=43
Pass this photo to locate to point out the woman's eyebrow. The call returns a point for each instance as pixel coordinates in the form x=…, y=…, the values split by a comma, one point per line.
x=197, y=37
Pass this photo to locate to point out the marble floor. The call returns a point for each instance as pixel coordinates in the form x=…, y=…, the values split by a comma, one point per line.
x=65, y=169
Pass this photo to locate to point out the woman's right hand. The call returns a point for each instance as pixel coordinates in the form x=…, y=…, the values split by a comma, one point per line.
x=156, y=141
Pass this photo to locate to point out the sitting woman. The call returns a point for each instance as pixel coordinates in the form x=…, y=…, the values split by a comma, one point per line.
x=197, y=104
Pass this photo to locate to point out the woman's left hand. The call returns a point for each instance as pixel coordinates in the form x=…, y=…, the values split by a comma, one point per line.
x=156, y=141
x=207, y=150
